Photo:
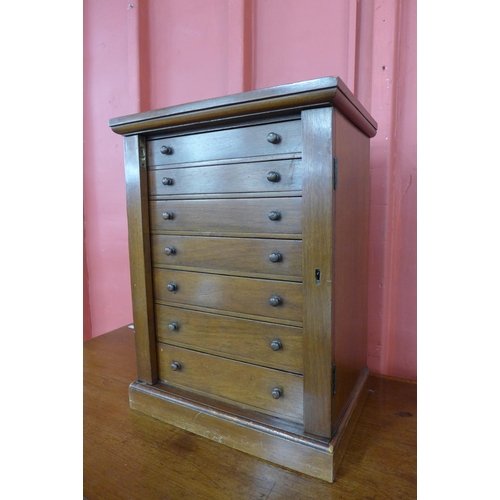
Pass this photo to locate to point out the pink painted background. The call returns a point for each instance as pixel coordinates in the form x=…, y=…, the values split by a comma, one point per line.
x=147, y=54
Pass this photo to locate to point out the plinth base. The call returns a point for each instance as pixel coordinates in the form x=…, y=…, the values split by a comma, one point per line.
x=280, y=444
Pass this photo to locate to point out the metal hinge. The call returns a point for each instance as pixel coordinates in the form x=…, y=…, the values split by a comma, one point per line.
x=334, y=379
x=142, y=152
x=335, y=172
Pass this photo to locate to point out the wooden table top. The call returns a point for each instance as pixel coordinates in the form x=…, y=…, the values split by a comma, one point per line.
x=131, y=456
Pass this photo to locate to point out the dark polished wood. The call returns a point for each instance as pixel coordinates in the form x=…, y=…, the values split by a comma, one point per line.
x=318, y=251
x=321, y=92
x=252, y=222
x=231, y=143
x=127, y=454
x=237, y=338
x=215, y=376
x=140, y=257
x=230, y=293
x=351, y=260
x=260, y=176
x=223, y=216
x=248, y=256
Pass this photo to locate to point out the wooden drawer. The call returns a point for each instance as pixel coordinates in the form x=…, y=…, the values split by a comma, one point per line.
x=229, y=255
x=246, y=385
x=267, y=344
x=230, y=143
x=229, y=293
x=266, y=176
x=237, y=216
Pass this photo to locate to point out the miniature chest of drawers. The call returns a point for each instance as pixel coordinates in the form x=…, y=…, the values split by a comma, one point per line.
x=248, y=236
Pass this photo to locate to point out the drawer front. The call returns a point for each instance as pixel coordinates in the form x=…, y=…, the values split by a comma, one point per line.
x=267, y=344
x=266, y=176
x=232, y=143
x=236, y=255
x=230, y=293
x=246, y=385
x=237, y=216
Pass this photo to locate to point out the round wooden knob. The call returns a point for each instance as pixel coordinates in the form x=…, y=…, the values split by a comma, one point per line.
x=176, y=366
x=277, y=393
x=170, y=250
x=171, y=287
x=167, y=215
x=275, y=300
x=273, y=138
x=273, y=177
x=276, y=345
x=166, y=150
x=167, y=181
x=274, y=215
x=173, y=326
x=275, y=257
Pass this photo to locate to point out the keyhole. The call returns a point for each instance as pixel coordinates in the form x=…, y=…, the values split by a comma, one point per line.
x=317, y=275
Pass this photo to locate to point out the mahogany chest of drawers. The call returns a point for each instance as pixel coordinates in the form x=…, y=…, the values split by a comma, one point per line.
x=248, y=235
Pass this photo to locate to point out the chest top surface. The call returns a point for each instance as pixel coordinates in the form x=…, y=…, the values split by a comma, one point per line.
x=272, y=101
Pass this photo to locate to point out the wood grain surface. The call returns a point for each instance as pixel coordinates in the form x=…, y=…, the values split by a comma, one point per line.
x=219, y=216
x=238, y=338
x=204, y=199
x=140, y=257
x=229, y=178
x=247, y=385
x=131, y=456
x=231, y=143
x=351, y=258
x=244, y=256
x=230, y=293
x=326, y=91
x=318, y=250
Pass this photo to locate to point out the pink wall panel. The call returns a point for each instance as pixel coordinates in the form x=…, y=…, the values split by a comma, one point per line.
x=296, y=41
x=149, y=54
x=106, y=94
x=386, y=84
x=402, y=353
x=188, y=47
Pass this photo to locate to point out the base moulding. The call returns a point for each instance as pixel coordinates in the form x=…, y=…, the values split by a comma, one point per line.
x=320, y=459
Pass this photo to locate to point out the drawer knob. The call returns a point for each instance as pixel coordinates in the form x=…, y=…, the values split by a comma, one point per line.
x=273, y=177
x=173, y=326
x=273, y=138
x=167, y=215
x=276, y=345
x=275, y=257
x=170, y=250
x=167, y=181
x=166, y=150
x=275, y=215
x=277, y=393
x=176, y=366
x=171, y=287
x=275, y=300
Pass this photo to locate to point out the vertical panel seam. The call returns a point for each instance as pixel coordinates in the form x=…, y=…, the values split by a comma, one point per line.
x=352, y=45
x=390, y=264
x=138, y=55
x=240, y=65
x=248, y=41
x=134, y=72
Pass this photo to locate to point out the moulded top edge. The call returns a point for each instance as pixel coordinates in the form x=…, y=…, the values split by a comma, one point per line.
x=294, y=95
